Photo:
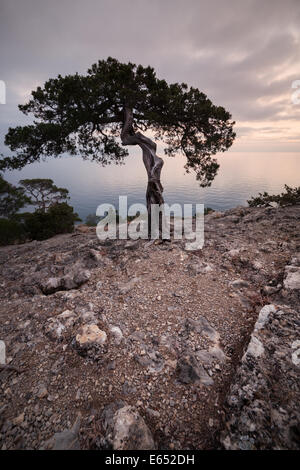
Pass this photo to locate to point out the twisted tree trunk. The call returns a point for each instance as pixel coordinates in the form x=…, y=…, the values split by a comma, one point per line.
x=152, y=162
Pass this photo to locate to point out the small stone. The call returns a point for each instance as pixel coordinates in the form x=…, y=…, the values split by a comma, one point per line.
x=125, y=288
x=296, y=357
x=200, y=268
x=54, y=328
x=91, y=334
x=42, y=391
x=117, y=334
x=111, y=365
x=189, y=371
x=234, y=253
x=292, y=280
x=203, y=327
x=75, y=278
x=263, y=316
x=128, y=431
x=67, y=439
x=18, y=420
x=239, y=283
x=255, y=348
x=257, y=265
x=269, y=290
x=51, y=285
x=153, y=413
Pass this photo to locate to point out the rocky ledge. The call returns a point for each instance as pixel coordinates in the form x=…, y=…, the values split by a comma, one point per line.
x=138, y=345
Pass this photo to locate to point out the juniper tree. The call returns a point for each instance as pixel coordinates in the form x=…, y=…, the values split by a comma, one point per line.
x=97, y=114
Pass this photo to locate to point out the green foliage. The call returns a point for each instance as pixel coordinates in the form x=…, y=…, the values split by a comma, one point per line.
x=92, y=220
x=43, y=192
x=51, y=217
x=59, y=218
x=289, y=197
x=12, y=198
x=83, y=115
x=11, y=231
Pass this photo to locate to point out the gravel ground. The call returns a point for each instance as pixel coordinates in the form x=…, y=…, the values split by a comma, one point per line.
x=87, y=324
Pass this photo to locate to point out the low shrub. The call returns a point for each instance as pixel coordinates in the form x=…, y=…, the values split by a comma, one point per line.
x=11, y=231
x=41, y=225
x=289, y=197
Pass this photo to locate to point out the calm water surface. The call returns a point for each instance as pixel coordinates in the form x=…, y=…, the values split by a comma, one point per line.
x=241, y=175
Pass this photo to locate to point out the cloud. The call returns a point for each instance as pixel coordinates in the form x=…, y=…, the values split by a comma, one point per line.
x=243, y=55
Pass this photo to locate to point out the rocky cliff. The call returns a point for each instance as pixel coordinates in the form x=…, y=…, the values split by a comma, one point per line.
x=127, y=344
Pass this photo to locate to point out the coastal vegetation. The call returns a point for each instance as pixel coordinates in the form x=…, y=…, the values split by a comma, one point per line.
x=53, y=215
x=288, y=197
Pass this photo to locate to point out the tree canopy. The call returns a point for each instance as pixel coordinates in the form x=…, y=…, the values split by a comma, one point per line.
x=43, y=193
x=83, y=115
x=12, y=198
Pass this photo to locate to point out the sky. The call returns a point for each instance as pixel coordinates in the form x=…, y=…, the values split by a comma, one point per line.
x=244, y=55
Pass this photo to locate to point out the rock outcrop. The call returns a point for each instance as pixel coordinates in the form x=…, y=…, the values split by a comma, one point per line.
x=263, y=404
x=126, y=429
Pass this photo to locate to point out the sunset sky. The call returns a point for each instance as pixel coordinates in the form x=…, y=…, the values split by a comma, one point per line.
x=243, y=54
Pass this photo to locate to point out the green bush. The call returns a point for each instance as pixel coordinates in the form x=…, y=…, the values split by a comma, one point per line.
x=12, y=198
x=62, y=217
x=289, y=197
x=52, y=216
x=41, y=225
x=11, y=231
x=92, y=220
